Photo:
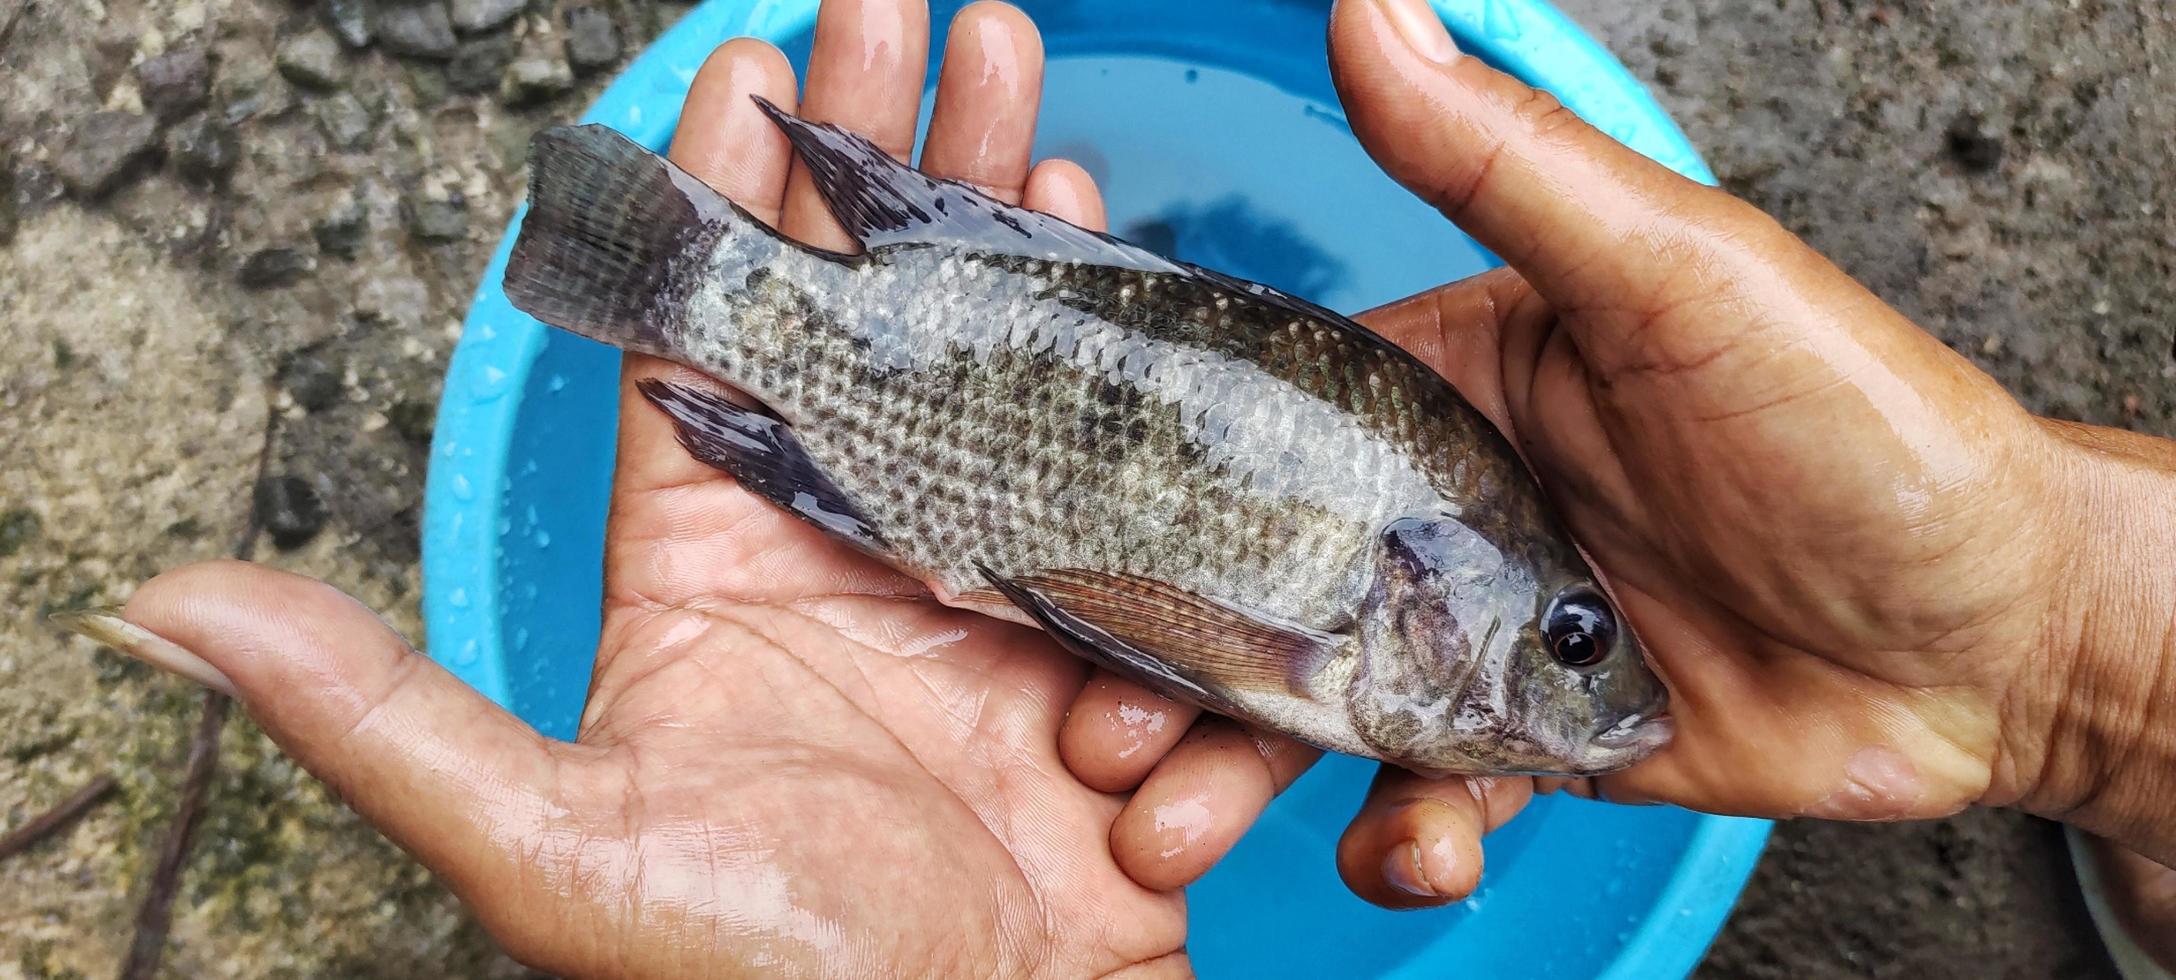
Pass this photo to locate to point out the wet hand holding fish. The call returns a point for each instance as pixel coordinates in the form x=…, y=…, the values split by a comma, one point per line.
x=1230, y=494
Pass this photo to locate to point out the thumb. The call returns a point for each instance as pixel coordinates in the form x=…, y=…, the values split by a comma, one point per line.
x=444, y=773
x=1589, y=222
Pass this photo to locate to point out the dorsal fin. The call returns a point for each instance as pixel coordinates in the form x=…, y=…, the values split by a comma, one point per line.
x=1270, y=295
x=883, y=203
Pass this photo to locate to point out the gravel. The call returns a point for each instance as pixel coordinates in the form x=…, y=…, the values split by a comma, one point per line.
x=416, y=28
x=313, y=60
x=480, y=64
x=348, y=19
x=593, y=41
x=312, y=380
x=342, y=232
x=105, y=151
x=176, y=83
x=345, y=121
x=202, y=149
x=437, y=219
x=272, y=268
x=289, y=510
x=536, y=79
x=481, y=15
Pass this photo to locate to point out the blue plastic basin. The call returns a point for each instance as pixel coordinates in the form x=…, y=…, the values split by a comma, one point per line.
x=1244, y=163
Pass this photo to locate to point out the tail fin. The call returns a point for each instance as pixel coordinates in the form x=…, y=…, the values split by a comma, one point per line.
x=609, y=223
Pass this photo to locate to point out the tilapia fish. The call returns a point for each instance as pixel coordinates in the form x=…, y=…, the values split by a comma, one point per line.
x=1237, y=497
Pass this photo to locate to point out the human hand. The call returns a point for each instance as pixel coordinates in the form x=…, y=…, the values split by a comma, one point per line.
x=1877, y=587
x=791, y=757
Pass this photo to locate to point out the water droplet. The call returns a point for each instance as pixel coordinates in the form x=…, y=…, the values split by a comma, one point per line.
x=462, y=489
x=543, y=539
x=556, y=383
x=458, y=599
x=466, y=655
x=1500, y=22
x=491, y=382
x=521, y=638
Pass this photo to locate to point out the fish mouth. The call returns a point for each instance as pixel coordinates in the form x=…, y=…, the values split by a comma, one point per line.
x=1633, y=738
x=1634, y=731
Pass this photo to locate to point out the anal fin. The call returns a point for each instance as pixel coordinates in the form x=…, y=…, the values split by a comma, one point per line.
x=1180, y=643
x=762, y=453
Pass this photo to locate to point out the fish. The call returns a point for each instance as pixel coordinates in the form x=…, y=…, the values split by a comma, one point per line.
x=1236, y=497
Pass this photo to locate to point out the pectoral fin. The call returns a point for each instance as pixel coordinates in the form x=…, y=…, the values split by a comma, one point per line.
x=1180, y=643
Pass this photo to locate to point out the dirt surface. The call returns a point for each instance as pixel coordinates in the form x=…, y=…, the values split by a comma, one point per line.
x=214, y=211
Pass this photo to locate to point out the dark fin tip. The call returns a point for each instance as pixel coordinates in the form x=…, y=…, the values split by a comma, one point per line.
x=762, y=453
x=883, y=202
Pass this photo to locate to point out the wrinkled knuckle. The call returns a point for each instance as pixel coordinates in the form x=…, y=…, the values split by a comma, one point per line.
x=1706, y=210
x=1545, y=115
x=1456, y=195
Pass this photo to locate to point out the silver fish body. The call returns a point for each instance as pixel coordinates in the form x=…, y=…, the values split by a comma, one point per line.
x=1238, y=497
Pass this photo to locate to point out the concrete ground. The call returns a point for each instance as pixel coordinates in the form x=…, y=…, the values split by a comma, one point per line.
x=212, y=210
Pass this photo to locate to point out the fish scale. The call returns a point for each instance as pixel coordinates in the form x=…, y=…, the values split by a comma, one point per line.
x=987, y=421
x=1234, y=496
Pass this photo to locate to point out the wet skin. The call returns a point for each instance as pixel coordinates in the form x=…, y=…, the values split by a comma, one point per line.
x=1876, y=586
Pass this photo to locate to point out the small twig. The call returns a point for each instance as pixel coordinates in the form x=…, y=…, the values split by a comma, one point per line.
x=156, y=915
x=61, y=815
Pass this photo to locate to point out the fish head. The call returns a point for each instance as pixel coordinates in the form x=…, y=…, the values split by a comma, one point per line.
x=1477, y=656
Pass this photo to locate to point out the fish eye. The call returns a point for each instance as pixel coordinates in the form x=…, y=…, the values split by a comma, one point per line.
x=1580, y=628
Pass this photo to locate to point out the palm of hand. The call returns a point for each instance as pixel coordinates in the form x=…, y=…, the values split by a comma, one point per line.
x=798, y=722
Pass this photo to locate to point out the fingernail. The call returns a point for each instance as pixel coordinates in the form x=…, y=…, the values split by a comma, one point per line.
x=1423, y=31
x=1402, y=870
x=105, y=626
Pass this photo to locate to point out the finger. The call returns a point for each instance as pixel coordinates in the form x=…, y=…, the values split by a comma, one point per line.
x=1417, y=841
x=724, y=139
x=1117, y=730
x=1062, y=188
x=864, y=74
x=1200, y=799
x=1595, y=226
x=983, y=126
x=444, y=773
